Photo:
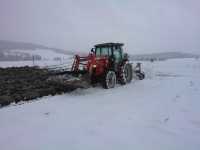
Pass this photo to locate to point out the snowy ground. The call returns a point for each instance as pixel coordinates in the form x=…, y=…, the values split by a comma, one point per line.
x=44, y=53
x=42, y=63
x=159, y=113
x=48, y=58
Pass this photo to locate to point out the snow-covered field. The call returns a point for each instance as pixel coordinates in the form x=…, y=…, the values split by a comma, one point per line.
x=41, y=63
x=44, y=53
x=159, y=113
x=48, y=58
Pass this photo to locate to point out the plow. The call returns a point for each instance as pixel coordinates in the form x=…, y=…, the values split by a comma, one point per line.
x=106, y=64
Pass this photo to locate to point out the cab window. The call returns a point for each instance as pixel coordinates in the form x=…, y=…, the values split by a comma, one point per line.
x=109, y=51
x=98, y=51
x=117, y=54
x=104, y=51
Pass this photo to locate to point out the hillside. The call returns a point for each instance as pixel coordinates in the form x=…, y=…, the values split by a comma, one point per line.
x=163, y=56
x=20, y=51
x=10, y=45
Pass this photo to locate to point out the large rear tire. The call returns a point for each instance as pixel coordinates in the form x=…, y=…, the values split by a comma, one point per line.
x=109, y=80
x=126, y=74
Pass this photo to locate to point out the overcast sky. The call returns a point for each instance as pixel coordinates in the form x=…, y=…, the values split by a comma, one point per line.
x=145, y=26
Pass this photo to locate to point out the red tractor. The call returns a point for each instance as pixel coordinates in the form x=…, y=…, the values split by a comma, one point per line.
x=106, y=64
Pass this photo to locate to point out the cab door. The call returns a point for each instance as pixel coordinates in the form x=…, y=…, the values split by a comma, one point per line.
x=117, y=53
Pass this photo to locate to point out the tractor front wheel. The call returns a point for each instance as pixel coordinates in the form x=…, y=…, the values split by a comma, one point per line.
x=109, y=80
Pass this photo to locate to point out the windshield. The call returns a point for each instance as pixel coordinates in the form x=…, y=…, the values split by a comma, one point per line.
x=103, y=51
x=98, y=51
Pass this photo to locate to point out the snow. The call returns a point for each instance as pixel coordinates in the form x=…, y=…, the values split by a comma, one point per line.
x=41, y=63
x=159, y=113
x=48, y=58
x=44, y=53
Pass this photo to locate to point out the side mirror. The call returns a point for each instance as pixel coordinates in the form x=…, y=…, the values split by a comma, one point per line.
x=92, y=50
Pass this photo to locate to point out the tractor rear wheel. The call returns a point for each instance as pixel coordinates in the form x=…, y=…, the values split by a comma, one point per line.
x=126, y=74
x=109, y=80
